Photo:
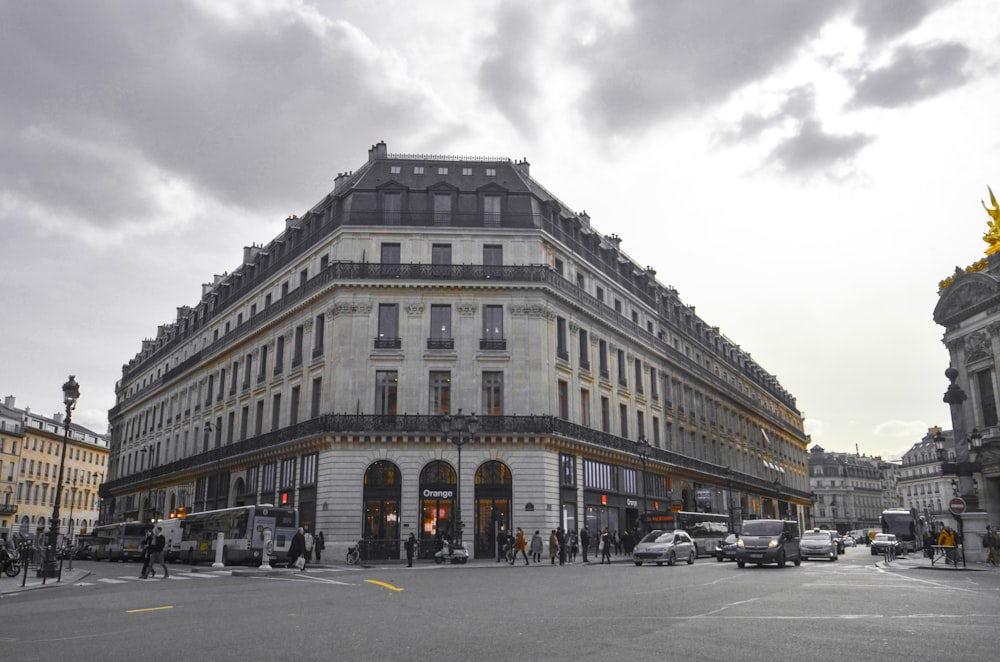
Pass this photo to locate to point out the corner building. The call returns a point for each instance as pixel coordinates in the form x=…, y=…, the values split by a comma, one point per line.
x=318, y=373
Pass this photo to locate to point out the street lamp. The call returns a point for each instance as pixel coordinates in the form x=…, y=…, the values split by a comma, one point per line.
x=729, y=497
x=642, y=448
x=777, y=498
x=833, y=507
x=149, y=487
x=71, y=393
x=460, y=430
x=812, y=500
x=72, y=503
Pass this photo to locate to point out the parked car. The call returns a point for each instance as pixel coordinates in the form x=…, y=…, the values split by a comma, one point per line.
x=725, y=549
x=668, y=547
x=884, y=540
x=768, y=541
x=818, y=544
x=839, y=539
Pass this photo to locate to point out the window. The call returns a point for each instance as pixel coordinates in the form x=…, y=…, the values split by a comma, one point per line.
x=258, y=425
x=442, y=171
x=442, y=208
x=640, y=425
x=638, y=375
x=561, y=346
x=440, y=337
x=605, y=414
x=493, y=328
x=567, y=470
x=623, y=419
x=622, y=378
x=563, y=388
x=233, y=379
x=388, y=327
x=654, y=389
x=599, y=293
x=393, y=170
x=275, y=411
x=584, y=407
x=466, y=171
x=602, y=355
x=559, y=266
x=293, y=409
x=492, y=255
x=386, y=382
x=418, y=170
x=303, y=277
x=244, y=423
x=247, y=371
x=584, y=350
x=262, y=373
x=986, y=397
x=390, y=253
x=297, y=347
x=441, y=254
x=319, y=330
x=491, y=172
x=492, y=393
x=440, y=392
x=317, y=395
x=491, y=211
x=279, y=355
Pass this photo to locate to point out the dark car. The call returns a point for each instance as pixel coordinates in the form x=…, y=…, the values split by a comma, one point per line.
x=819, y=544
x=725, y=550
x=884, y=541
x=768, y=541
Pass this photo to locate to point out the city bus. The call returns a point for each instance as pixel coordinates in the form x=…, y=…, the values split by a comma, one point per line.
x=243, y=531
x=118, y=542
x=906, y=526
x=706, y=529
x=171, y=530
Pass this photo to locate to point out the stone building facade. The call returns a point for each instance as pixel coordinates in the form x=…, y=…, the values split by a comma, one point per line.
x=326, y=369
x=851, y=490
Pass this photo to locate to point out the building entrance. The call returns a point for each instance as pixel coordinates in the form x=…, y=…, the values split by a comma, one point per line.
x=437, y=502
x=494, y=492
x=380, y=524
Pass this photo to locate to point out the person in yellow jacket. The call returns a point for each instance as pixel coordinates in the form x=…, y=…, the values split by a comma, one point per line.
x=520, y=545
x=947, y=539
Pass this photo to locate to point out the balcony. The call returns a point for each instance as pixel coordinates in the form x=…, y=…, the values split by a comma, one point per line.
x=388, y=343
x=440, y=343
x=492, y=344
x=8, y=509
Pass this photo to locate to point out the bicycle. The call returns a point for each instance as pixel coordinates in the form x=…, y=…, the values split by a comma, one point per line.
x=354, y=553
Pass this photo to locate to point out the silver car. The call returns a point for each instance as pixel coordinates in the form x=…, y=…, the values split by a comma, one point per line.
x=818, y=543
x=661, y=547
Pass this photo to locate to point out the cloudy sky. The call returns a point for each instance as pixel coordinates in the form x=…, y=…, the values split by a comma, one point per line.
x=804, y=173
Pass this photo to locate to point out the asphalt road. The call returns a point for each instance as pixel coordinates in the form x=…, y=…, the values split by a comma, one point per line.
x=851, y=609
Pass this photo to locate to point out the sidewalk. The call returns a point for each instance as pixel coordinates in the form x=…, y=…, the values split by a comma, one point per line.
x=9, y=585
x=921, y=562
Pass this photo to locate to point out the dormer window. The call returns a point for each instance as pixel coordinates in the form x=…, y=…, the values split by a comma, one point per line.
x=418, y=170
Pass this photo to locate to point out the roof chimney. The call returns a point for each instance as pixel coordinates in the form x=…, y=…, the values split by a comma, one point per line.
x=378, y=151
x=8, y=401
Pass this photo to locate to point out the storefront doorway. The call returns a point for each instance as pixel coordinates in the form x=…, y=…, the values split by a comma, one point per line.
x=437, y=501
x=494, y=492
x=382, y=493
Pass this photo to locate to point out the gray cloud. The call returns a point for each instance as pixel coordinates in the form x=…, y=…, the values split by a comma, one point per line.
x=812, y=150
x=885, y=19
x=507, y=75
x=800, y=105
x=914, y=74
x=675, y=56
x=138, y=99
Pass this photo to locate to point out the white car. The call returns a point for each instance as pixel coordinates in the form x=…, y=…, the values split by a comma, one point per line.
x=668, y=547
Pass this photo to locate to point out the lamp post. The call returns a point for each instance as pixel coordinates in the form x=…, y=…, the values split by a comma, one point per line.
x=149, y=489
x=812, y=500
x=729, y=498
x=460, y=430
x=777, y=498
x=72, y=532
x=71, y=393
x=833, y=507
x=642, y=449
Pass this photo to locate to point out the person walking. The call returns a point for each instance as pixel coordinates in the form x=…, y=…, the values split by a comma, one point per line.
x=992, y=543
x=319, y=545
x=584, y=542
x=501, y=543
x=573, y=544
x=553, y=547
x=159, y=544
x=309, y=543
x=605, y=546
x=297, y=550
x=536, y=547
x=410, y=546
x=520, y=545
x=561, y=536
x=947, y=539
x=147, y=554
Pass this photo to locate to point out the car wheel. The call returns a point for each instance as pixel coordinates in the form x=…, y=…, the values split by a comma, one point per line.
x=719, y=558
x=798, y=561
x=659, y=563
x=638, y=563
x=671, y=560
x=741, y=564
x=781, y=560
x=691, y=557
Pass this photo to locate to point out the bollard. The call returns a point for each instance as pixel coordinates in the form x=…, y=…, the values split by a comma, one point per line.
x=219, y=541
x=265, y=563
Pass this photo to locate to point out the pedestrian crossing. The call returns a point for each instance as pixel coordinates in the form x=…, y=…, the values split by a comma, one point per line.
x=177, y=577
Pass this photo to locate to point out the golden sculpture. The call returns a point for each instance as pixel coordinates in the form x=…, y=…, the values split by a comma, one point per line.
x=992, y=236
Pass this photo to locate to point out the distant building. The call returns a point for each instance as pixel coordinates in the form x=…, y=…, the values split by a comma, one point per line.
x=323, y=371
x=922, y=486
x=29, y=465
x=851, y=490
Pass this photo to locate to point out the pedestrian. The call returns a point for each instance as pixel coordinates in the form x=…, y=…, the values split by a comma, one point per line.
x=319, y=545
x=501, y=543
x=585, y=542
x=561, y=536
x=605, y=546
x=536, y=547
x=618, y=543
x=410, y=545
x=309, y=543
x=574, y=545
x=520, y=545
x=297, y=550
x=628, y=542
x=992, y=542
x=947, y=540
x=146, y=546
x=553, y=547
x=159, y=544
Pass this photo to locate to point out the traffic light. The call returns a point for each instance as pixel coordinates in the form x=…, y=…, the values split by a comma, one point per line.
x=181, y=512
x=284, y=497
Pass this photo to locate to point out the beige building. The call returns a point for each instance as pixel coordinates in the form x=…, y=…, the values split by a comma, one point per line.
x=322, y=370
x=37, y=452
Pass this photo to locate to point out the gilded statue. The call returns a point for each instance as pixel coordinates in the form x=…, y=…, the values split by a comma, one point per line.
x=992, y=236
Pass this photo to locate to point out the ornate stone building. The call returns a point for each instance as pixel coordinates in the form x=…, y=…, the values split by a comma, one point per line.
x=851, y=489
x=326, y=370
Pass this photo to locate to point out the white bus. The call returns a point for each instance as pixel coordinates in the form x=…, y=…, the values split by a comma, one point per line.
x=243, y=531
x=172, y=530
x=118, y=542
x=706, y=529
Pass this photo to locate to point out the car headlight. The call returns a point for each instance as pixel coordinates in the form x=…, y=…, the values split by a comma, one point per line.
x=739, y=543
x=773, y=543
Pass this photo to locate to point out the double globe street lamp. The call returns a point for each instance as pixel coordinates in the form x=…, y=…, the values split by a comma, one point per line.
x=642, y=449
x=460, y=429
x=49, y=567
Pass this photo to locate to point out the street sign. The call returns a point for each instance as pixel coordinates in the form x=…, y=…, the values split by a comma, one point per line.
x=956, y=506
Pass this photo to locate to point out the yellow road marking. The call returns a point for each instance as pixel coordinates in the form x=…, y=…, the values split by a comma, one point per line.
x=136, y=611
x=388, y=586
